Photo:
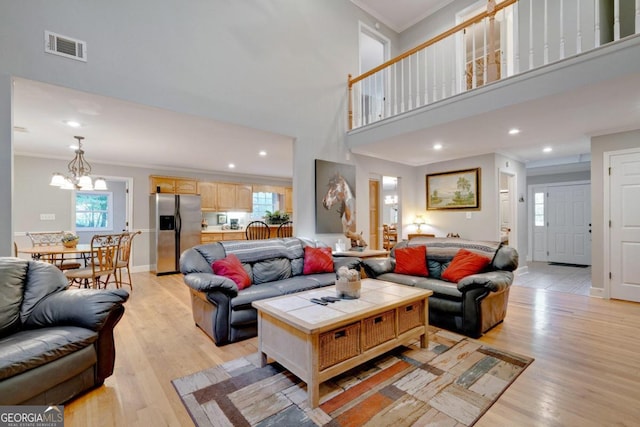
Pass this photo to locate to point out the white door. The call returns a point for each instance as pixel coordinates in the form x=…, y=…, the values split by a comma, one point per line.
x=625, y=226
x=569, y=224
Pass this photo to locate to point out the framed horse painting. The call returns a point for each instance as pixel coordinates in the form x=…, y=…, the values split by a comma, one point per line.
x=335, y=197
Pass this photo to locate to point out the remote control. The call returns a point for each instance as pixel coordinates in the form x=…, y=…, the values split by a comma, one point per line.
x=318, y=301
x=330, y=299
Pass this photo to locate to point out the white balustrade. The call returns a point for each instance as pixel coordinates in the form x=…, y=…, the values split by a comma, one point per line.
x=469, y=57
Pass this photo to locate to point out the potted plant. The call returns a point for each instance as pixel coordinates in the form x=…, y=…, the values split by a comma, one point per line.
x=70, y=240
x=276, y=217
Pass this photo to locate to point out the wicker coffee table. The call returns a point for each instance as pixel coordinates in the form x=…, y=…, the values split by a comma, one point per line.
x=317, y=342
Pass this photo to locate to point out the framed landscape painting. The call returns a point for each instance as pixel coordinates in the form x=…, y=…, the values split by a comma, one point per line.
x=454, y=190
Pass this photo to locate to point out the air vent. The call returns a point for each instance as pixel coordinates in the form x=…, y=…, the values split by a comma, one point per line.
x=65, y=46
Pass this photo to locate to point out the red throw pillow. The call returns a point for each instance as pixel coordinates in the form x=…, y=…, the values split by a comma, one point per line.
x=464, y=264
x=231, y=267
x=412, y=261
x=317, y=260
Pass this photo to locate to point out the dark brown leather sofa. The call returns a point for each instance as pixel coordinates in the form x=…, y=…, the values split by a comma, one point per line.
x=54, y=343
x=472, y=306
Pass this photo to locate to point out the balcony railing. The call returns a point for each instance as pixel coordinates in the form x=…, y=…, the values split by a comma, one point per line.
x=506, y=39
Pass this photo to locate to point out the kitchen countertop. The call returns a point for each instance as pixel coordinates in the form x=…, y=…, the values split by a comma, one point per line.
x=240, y=230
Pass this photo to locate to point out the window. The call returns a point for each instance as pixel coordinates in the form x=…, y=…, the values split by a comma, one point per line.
x=263, y=202
x=538, y=209
x=94, y=211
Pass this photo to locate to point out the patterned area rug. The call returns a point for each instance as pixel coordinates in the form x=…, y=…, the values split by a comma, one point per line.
x=451, y=383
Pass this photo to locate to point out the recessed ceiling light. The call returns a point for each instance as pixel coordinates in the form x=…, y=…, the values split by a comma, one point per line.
x=547, y=149
x=72, y=123
x=437, y=146
x=514, y=131
x=231, y=165
x=262, y=153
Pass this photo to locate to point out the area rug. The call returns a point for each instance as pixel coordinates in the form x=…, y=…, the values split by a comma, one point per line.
x=451, y=383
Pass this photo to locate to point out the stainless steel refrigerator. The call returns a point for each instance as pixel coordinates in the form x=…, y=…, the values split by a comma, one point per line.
x=177, y=220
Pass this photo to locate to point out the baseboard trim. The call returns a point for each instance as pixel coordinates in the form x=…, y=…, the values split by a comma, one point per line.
x=596, y=292
x=140, y=268
x=521, y=270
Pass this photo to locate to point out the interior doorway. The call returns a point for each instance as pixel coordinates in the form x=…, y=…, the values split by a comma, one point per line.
x=374, y=214
x=373, y=51
x=508, y=209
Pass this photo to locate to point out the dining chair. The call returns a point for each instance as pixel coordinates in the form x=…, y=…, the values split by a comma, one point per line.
x=52, y=239
x=257, y=230
x=389, y=236
x=102, y=262
x=124, y=258
x=285, y=229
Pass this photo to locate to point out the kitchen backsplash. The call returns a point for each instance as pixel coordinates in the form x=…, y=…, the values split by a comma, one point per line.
x=212, y=219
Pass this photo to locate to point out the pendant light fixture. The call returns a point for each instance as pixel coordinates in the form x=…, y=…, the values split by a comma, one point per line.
x=79, y=174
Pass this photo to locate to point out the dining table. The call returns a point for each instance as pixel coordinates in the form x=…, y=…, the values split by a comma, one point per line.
x=57, y=252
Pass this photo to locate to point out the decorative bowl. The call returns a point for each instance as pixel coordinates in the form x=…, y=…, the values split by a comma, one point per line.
x=70, y=243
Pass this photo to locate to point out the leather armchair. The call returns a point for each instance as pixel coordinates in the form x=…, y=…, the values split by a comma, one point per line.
x=55, y=343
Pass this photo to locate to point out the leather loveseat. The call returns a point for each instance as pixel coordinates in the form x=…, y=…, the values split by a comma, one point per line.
x=275, y=267
x=54, y=343
x=475, y=303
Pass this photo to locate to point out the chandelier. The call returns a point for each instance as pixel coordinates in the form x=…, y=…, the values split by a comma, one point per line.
x=79, y=175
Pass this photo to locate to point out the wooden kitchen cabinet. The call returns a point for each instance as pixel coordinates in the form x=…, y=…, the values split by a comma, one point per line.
x=223, y=235
x=210, y=237
x=235, y=197
x=186, y=186
x=244, y=197
x=172, y=185
x=288, y=199
x=208, y=195
x=226, y=196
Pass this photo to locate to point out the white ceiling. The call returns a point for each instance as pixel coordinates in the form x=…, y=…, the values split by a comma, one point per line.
x=124, y=133
x=564, y=122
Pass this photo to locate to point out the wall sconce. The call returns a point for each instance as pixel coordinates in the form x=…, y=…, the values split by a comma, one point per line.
x=418, y=222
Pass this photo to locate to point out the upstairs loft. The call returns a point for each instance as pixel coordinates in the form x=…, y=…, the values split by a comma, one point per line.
x=563, y=55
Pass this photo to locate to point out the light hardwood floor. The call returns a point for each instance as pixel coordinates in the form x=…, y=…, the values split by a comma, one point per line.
x=586, y=370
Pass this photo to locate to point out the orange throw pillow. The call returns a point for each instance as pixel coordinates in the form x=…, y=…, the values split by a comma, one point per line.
x=412, y=261
x=464, y=264
x=317, y=260
x=231, y=267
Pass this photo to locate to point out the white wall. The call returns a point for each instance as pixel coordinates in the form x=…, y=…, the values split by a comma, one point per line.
x=34, y=195
x=6, y=166
x=599, y=146
x=278, y=65
x=484, y=223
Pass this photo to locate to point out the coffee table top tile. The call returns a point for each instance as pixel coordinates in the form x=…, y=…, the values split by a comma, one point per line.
x=298, y=311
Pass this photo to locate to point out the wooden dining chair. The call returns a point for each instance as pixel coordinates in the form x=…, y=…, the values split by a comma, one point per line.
x=124, y=258
x=285, y=229
x=102, y=263
x=52, y=239
x=257, y=230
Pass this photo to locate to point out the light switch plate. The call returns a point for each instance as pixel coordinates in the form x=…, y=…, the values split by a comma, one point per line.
x=468, y=215
x=47, y=217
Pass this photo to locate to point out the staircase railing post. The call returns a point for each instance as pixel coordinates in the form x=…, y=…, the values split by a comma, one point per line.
x=492, y=66
x=350, y=102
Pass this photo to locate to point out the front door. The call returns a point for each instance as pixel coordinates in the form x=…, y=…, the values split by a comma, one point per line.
x=569, y=224
x=625, y=226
